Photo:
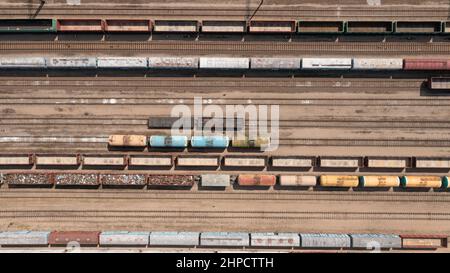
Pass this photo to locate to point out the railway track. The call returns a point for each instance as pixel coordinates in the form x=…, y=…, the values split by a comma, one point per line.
x=220, y=215
x=239, y=48
x=241, y=13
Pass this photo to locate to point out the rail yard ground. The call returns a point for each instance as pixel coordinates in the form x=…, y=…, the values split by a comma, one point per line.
x=331, y=113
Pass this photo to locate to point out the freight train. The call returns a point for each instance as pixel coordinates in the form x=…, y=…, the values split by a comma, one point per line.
x=222, y=26
x=290, y=240
x=95, y=179
x=291, y=63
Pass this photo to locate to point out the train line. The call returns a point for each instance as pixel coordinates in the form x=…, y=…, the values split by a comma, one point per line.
x=240, y=48
x=221, y=215
x=290, y=13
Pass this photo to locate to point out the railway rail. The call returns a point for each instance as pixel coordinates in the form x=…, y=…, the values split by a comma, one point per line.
x=199, y=47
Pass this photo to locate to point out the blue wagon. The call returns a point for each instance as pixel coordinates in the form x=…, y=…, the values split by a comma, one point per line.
x=168, y=141
x=210, y=141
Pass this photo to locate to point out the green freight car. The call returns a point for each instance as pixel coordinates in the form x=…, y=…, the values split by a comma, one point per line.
x=28, y=25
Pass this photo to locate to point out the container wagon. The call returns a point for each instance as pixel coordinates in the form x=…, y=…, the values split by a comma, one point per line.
x=123, y=179
x=87, y=238
x=175, y=26
x=168, y=141
x=122, y=62
x=224, y=239
x=72, y=62
x=124, y=238
x=379, y=181
x=150, y=161
x=313, y=27
x=405, y=27
x=270, y=239
x=327, y=63
x=370, y=241
x=423, y=182
x=117, y=25
x=418, y=241
x=219, y=142
x=224, y=63
x=23, y=62
x=104, y=160
x=24, y=238
x=28, y=25
x=170, y=238
x=215, y=180
x=377, y=64
x=224, y=26
x=168, y=62
x=171, y=180
x=432, y=163
x=298, y=180
x=127, y=141
x=370, y=27
x=198, y=161
x=275, y=63
x=264, y=180
x=272, y=26
x=258, y=142
x=439, y=83
x=76, y=179
x=426, y=64
x=346, y=181
x=80, y=25
x=245, y=161
x=292, y=162
x=321, y=240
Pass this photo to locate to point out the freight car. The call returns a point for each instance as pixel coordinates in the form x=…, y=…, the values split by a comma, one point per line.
x=134, y=25
x=274, y=240
x=258, y=142
x=127, y=141
x=272, y=26
x=219, y=142
x=284, y=63
x=215, y=180
x=28, y=25
x=245, y=161
x=104, y=160
x=224, y=239
x=327, y=63
x=198, y=161
x=80, y=25
x=24, y=238
x=224, y=63
x=170, y=238
x=224, y=26
x=441, y=83
x=324, y=240
x=377, y=64
x=339, y=181
x=23, y=62
x=168, y=62
x=168, y=141
x=426, y=64
x=84, y=238
x=298, y=180
x=424, y=181
x=124, y=238
x=122, y=62
x=57, y=160
x=136, y=161
x=379, y=181
x=123, y=179
x=171, y=180
x=72, y=62
x=175, y=26
x=264, y=180
x=317, y=27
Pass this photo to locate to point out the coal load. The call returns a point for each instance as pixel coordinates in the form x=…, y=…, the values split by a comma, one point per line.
x=171, y=180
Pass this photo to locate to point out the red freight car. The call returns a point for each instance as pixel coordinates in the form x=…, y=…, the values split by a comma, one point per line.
x=256, y=180
x=80, y=25
x=423, y=241
x=81, y=237
x=116, y=25
x=426, y=64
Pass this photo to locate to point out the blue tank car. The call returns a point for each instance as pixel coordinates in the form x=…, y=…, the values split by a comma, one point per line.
x=210, y=141
x=168, y=141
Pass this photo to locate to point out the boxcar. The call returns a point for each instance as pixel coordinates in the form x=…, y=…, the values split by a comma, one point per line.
x=219, y=142
x=127, y=140
x=171, y=180
x=224, y=26
x=370, y=241
x=134, y=25
x=72, y=62
x=76, y=179
x=28, y=25
x=224, y=63
x=320, y=27
x=175, y=26
x=439, y=83
x=24, y=238
x=321, y=240
x=124, y=238
x=102, y=160
x=150, y=161
x=292, y=162
x=23, y=62
x=418, y=27
x=224, y=239
x=339, y=181
x=251, y=143
x=369, y=27
x=256, y=180
x=378, y=64
x=327, y=63
x=173, y=62
x=272, y=26
x=80, y=237
x=197, y=161
x=426, y=64
x=168, y=141
x=215, y=180
x=274, y=239
x=170, y=238
x=298, y=180
x=275, y=63
x=411, y=181
x=32, y=179
x=122, y=62
x=123, y=179
x=80, y=25
x=379, y=181
x=423, y=162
